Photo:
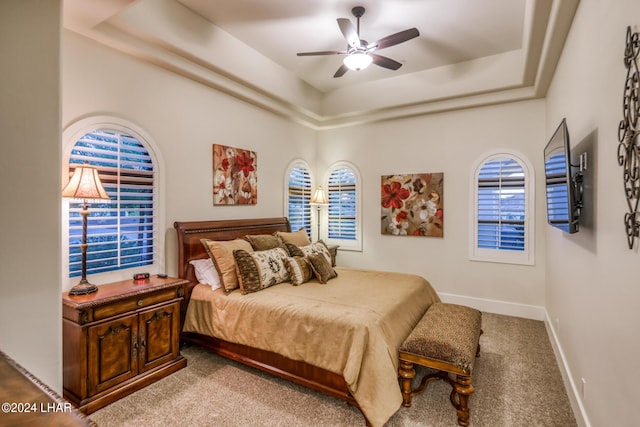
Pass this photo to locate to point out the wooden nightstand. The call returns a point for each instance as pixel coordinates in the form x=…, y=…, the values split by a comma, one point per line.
x=120, y=339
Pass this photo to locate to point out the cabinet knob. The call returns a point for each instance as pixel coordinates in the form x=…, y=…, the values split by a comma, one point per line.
x=140, y=302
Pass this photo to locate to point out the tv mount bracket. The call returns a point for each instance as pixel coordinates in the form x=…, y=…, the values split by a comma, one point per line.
x=628, y=137
x=576, y=181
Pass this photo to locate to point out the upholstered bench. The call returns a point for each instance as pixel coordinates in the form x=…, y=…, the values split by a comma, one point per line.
x=446, y=339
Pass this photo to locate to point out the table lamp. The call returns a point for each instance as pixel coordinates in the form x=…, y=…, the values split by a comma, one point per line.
x=85, y=185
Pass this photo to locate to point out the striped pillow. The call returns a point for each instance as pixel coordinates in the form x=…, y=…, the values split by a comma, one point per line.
x=299, y=269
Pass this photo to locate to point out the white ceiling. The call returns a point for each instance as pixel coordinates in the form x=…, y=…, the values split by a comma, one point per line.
x=469, y=52
x=451, y=31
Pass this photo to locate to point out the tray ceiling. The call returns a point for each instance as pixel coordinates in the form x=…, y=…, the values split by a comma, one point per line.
x=468, y=53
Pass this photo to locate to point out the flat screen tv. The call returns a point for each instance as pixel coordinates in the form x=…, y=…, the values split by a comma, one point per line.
x=564, y=195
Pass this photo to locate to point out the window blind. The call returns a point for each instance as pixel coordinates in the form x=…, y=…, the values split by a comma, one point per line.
x=299, y=210
x=120, y=233
x=501, y=205
x=342, y=204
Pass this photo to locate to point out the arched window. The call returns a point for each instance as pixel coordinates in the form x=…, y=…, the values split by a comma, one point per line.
x=343, y=213
x=122, y=233
x=298, y=191
x=503, y=209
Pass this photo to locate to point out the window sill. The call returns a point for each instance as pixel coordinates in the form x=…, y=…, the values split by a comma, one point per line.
x=503, y=258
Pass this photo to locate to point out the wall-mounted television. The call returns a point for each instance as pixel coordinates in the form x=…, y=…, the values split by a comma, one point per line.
x=564, y=186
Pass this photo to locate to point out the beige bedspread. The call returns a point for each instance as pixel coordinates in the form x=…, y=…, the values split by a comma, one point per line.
x=352, y=325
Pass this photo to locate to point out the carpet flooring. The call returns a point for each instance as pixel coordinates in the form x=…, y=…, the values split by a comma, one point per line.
x=516, y=378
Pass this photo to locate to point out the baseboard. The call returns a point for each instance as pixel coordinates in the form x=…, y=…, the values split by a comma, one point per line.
x=572, y=389
x=498, y=307
x=536, y=313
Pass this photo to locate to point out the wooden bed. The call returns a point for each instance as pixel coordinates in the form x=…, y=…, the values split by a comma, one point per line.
x=365, y=314
x=189, y=248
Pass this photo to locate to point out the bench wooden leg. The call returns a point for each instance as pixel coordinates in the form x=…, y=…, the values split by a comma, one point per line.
x=462, y=389
x=406, y=374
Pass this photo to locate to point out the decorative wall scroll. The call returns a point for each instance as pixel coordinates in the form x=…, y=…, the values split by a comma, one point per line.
x=235, y=176
x=629, y=143
x=412, y=205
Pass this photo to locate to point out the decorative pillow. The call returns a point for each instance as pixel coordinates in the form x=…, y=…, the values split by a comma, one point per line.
x=206, y=272
x=299, y=269
x=322, y=268
x=221, y=253
x=260, y=269
x=298, y=238
x=318, y=247
x=263, y=242
x=293, y=250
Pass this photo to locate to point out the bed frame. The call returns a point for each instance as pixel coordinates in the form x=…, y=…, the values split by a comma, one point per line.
x=189, y=248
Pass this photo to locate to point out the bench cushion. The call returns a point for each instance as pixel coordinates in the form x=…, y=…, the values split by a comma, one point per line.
x=447, y=333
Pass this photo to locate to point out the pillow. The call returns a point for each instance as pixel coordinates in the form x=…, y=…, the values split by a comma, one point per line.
x=221, y=253
x=318, y=247
x=322, y=268
x=206, y=272
x=299, y=269
x=293, y=250
x=298, y=238
x=260, y=269
x=263, y=242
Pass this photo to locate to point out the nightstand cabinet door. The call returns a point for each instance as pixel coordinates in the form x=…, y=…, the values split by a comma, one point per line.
x=159, y=336
x=112, y=353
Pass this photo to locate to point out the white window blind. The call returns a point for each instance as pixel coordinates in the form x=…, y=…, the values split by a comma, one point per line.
x=342, y=204
x=501, y=205
x=120, y=233
x=299, y=210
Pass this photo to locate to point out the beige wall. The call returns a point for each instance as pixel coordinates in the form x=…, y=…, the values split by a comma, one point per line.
x=451, y=143
x=184, y=119
x=593, y=288
x=30, y=305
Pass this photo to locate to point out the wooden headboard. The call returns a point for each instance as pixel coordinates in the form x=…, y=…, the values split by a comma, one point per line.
x=190, y=247
x=190, y=233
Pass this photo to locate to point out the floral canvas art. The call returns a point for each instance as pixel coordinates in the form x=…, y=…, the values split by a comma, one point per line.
x=412, y=205
x=235, y=176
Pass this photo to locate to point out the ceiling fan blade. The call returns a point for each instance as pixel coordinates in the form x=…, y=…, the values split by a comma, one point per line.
x=394, y=39
x=385, y=62
x=343, y=69
x=349, y=32
x=323, y=52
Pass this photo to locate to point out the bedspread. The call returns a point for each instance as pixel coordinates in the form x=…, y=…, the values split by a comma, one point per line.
x=352, y=326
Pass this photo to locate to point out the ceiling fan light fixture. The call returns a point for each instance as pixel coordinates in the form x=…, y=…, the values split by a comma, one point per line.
x=357, y=61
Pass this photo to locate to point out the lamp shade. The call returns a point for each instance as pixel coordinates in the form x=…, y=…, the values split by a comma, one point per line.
x=357, y=61
x=319, y=197
x=85, y=184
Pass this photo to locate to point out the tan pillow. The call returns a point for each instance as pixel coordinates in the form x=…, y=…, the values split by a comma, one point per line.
x=263, y=242
x=221, y=253
x=322, y=268
x=298, y=238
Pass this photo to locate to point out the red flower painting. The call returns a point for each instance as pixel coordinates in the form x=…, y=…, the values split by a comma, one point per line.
x=412, y=205
x=235, y=176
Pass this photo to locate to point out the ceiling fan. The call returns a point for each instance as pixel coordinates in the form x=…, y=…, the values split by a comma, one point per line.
x=360, y=53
